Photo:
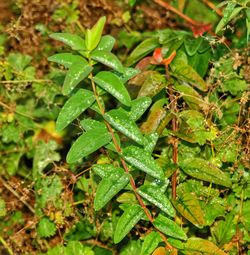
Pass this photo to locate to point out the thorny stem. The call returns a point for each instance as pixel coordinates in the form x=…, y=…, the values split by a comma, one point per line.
x=119, y=150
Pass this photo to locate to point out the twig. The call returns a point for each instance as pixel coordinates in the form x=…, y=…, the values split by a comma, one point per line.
x=7, y=186
x=6, y=246
x=213, y=7
x=25, y=81
x=179, y=13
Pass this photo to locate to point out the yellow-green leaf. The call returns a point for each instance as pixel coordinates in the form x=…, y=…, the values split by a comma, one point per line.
x=198, y=246
x=93, y=35
x=201, y=169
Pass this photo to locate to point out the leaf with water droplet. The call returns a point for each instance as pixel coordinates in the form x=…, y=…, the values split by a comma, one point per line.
x=142, y=160
x=75, y=105
x=113, y=85
x=150, y=243
x=108, y=59
x=169, y=227
x=158, y=199
x=106, y=43
x=65, y=59
x=110, y=186
x=138, y=107
x=120, y=120
x=127, y=221
x=72, y=40
x=88, y=143
x=79, y=70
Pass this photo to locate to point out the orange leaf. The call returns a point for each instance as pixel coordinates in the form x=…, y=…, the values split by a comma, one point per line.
x=160, y=251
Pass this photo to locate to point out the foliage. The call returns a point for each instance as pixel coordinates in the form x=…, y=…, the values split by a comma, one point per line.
x=143, y=156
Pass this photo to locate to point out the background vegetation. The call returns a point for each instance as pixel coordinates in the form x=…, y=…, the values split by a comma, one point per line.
x=173, y=95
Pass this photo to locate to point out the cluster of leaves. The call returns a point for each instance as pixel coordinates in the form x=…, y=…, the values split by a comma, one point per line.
x=184, y=97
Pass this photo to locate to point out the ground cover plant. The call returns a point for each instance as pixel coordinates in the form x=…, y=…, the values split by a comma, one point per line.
x=127, y=133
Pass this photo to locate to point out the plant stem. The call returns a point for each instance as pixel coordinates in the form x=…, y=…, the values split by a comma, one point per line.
x=119, y=150
x=7, y=186
x=6, y=246
x=179, y=13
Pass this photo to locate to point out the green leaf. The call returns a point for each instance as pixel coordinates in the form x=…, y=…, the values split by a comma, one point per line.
x=108, y=59
x=150, y=243
x=159, y=199
x=138, y=107
x=79, y=70
x=169, y=227
x=192, y=45
x=110, y=186
x=88, y=143
x=185, y=72
x=200, y=246
x=224, y=230
x=88, y=124
x=107, y=43
x=228, y=14
x=113, y=85
x=65, y=59
x=120, y=120
x=74, y=106
x=201, y=169
x=127, y=221
x=72, y=40
x=191, y=96
x=46, y=228
x=103, y=170
x=142, y=160
x=93, y=35
x=142, y=50
x=188, y=206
